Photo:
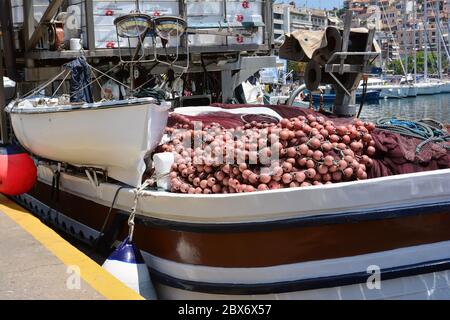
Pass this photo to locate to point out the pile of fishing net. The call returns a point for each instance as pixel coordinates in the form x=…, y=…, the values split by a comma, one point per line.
x=406, y=146
x=223, y=152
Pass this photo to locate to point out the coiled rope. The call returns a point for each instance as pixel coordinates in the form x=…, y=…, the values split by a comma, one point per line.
x=428, y=130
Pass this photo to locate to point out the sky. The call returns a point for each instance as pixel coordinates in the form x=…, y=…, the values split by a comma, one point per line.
x=319, y=4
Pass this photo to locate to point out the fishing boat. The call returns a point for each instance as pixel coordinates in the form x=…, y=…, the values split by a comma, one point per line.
x=91, y=134
x=318, y=242
x=381, y=238
x=371, y=95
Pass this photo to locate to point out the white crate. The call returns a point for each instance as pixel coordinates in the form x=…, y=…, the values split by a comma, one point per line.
x=161, y=8
x=105, y=11
x=207, y=12
x=202, y=8
x=114, y=8
x=206, y=40
x=256, y=38
x=198, y=12
x=121, y=7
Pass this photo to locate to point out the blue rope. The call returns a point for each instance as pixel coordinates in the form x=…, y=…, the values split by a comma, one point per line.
x=417, y=129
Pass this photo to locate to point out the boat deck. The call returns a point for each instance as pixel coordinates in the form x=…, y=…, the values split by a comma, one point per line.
x=37, y=263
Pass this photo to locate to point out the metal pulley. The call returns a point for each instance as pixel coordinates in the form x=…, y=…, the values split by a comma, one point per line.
x=56, y=35
x=334, y=44
x=313, y=75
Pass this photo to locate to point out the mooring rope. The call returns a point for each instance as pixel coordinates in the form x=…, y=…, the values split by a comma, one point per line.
x=137, y=194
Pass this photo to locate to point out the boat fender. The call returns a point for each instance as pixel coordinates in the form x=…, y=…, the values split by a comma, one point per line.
x=163, y=163
x=127, y=264
x=18, y=172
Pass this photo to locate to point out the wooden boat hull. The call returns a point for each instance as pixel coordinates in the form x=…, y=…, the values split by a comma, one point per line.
x=111, y=136
x=321, y=245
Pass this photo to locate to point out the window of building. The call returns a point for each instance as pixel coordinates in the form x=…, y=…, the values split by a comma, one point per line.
x=277, y=16
x=277, y=26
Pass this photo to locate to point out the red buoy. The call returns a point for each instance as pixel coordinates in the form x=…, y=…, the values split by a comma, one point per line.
x=17, y=170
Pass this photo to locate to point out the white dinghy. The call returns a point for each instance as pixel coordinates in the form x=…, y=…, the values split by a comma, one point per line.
x=113, y=135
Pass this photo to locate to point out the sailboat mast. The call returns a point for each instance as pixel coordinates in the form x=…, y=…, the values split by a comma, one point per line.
x=425, y=30
x=405, y=46
x=438, y=35
x=414, y=40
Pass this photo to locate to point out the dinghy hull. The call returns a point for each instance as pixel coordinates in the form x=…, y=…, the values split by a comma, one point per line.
x=114, y=136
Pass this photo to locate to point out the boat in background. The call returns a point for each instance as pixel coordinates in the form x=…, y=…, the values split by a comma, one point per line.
x=386, y=89
x=412, y=91
x=445, y=86
x=371, y=95
x=428, y=87
x=95, y=135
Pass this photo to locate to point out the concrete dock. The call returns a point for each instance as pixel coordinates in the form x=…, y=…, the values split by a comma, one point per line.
x=37, y=263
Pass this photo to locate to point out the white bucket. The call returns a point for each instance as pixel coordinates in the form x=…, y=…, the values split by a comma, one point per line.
x=75, y=44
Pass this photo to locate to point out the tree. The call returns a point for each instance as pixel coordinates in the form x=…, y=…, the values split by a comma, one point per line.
x=420, y=58
x=295, y=66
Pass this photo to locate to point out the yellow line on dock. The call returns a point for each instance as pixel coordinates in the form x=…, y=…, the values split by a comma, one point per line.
x=99, y=279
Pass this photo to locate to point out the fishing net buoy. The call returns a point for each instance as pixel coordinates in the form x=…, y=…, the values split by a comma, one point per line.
x=313, y=75
x=127, y=265
x=17, y=170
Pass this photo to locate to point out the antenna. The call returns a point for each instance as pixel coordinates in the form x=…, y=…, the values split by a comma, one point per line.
x=137, y=6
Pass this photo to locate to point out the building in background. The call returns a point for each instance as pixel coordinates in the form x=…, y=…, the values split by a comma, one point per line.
x=400, y=24
x=287, y=17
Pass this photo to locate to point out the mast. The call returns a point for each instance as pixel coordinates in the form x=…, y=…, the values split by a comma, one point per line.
x=405, y=46
x=414, y=40
x=437, y=22
x=448, y=41
x=425, y=30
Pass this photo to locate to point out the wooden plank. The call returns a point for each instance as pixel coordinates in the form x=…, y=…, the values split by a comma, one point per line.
x=51, y=11
x=346, y=38
x=28, y=21
x=89, y=13
x=99, y=53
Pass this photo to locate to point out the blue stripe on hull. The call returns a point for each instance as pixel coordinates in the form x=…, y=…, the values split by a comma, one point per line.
x=316, y=220
x=300, y=285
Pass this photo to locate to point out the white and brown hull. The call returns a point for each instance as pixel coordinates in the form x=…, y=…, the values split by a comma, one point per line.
x=249, y=247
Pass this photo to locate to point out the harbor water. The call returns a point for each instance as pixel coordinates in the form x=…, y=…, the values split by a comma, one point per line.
x=428, y=106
